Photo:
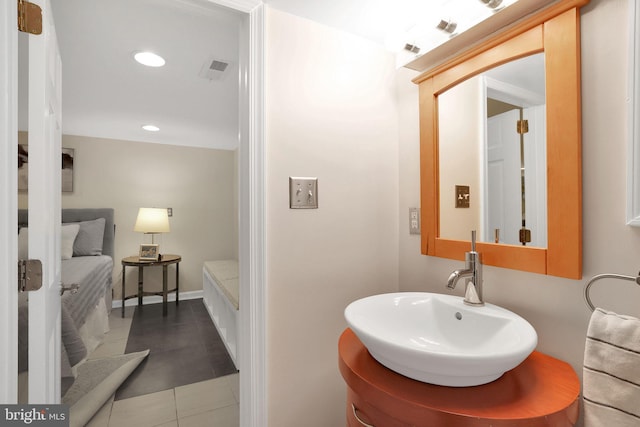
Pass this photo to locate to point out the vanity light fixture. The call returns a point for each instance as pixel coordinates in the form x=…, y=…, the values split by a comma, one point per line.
x=151, y=128
x=447, y=25
x=492, y=4
x=411, y=48
x=149, y=59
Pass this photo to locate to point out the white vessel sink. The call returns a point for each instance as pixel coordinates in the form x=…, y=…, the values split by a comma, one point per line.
x=437, y=339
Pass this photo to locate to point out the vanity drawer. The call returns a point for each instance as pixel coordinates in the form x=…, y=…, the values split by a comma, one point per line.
x=361, y=414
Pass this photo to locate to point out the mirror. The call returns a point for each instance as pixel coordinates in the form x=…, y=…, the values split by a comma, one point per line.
x=499, y=155
x=553, y=33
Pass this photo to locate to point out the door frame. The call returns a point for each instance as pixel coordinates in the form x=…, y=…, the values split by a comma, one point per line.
x=8, y=198
x=251, y=200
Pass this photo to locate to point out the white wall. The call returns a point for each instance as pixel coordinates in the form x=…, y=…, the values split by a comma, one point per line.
x=554, y=306
x=330, y=113
x=198, y=183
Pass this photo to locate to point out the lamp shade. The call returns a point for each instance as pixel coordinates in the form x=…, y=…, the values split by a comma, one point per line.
x=152, y=220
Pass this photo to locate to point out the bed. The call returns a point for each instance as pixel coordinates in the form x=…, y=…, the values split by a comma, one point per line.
x=87, y=249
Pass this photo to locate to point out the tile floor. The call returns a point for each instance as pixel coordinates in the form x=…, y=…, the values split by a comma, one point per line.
x=211, y=403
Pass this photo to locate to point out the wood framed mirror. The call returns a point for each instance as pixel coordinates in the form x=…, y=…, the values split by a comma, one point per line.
x=555, y=32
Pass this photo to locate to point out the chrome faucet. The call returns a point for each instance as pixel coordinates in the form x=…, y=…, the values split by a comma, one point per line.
x=473, y=274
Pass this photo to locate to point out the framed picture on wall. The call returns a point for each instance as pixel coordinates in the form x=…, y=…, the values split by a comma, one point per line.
x=23, y=168
x=149, y=252
x=67, y=169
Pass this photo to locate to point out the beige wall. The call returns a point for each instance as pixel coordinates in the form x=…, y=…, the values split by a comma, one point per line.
x=199, y=184
x=461, y=128
x=554, y=306
x=331, y=113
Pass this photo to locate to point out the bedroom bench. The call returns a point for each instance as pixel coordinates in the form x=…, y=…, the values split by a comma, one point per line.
x=220, y=286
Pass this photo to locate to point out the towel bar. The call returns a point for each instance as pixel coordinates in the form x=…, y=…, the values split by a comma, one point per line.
x=606, y=276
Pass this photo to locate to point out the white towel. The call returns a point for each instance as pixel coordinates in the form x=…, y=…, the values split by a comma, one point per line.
x=611, y=374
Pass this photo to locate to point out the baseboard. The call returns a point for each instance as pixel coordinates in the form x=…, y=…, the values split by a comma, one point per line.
x=156, y=299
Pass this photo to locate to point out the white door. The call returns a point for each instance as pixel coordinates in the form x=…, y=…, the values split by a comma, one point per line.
x=8, y=202
x=504, y=188
x=44, y=206
x=45, y=150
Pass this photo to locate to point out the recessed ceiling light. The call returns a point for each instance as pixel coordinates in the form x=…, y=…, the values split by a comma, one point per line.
x=149, y=59
x=151, y=128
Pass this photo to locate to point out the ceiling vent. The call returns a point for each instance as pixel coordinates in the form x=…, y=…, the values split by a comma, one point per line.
x=218, y=66
x=214, y=69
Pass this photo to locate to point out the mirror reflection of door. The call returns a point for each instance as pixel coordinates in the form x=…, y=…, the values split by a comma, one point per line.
x=504, y=190
x=480, y=147
x=535, y=174
x=515, y=198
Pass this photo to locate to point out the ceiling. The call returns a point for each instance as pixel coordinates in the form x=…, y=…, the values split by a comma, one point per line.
x=107, y=94
x=371, y=19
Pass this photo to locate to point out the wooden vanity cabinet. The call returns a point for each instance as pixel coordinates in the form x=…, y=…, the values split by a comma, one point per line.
x=540, y=392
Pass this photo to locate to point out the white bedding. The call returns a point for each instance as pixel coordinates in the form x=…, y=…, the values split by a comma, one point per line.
x=84, y=313
x=94, y=275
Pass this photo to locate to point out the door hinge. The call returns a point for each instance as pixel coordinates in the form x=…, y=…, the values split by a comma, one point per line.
x=522, y=126
x=29, y=17
x=29, y=275
x=525, y=236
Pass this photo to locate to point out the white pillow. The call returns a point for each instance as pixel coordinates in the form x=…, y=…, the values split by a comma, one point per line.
x=68, y=236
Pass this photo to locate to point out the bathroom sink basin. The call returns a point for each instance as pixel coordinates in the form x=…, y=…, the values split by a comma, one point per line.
x=437, y=339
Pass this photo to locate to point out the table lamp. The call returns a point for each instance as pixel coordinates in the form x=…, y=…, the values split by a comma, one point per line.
x=151, y=221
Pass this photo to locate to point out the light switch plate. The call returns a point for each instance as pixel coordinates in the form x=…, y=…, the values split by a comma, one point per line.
x=462, y=196
x=303, y=193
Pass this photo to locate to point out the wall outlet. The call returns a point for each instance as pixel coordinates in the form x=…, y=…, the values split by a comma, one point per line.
x=414, y=220
x=170, y=212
